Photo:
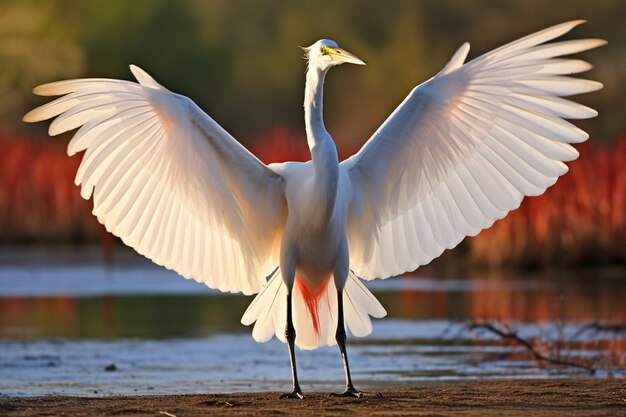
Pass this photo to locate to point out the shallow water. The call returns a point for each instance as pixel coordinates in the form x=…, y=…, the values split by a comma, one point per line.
x=66, y=315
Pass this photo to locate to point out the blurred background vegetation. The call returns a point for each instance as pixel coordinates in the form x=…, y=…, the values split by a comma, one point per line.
x=240, y=62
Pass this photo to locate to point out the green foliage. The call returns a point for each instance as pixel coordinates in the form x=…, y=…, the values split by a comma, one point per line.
x=33, y=49
x=239, y=59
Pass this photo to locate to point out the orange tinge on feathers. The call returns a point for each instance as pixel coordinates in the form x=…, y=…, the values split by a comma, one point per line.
x=311, y=299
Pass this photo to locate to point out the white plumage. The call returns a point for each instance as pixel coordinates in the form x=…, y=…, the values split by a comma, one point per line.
x=459, y=153
x=169, y=181
x=463, y=149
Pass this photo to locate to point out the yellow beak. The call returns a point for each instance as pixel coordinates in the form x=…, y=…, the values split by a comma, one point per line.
x=341, y=55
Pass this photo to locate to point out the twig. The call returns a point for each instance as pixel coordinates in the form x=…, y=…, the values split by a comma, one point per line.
x=529, y=346
x=600, y=327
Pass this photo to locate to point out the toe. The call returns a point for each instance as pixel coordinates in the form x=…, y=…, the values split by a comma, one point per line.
x=350, y=392
x=296, y=395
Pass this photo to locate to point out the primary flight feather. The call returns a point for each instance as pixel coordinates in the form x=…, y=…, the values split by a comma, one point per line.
x=460, y=152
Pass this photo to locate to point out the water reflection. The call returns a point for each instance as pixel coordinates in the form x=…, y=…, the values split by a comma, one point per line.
x=120, y=316
x=593, y=297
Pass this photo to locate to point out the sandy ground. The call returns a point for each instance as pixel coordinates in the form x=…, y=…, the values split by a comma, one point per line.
x=592, y=397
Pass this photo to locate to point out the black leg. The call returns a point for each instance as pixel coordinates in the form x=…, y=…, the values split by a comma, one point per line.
x=340, y=336
x=290, y=334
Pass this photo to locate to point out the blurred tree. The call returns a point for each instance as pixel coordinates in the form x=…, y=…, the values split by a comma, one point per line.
x=33, y=50
x=239, y=60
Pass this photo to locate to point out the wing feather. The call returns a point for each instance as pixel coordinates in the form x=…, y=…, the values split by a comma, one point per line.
x=168, y=180
x=463, y=149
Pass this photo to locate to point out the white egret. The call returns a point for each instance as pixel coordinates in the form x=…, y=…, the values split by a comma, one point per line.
x=459, y=153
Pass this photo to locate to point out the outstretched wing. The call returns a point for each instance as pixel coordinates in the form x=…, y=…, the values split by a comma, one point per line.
x=463, y=149
x=169, y=181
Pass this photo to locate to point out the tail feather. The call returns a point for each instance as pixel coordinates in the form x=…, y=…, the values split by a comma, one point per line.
x=312, y=302
x=315, y=324
x=304, y=321
x=359, y=305
x=268, y=310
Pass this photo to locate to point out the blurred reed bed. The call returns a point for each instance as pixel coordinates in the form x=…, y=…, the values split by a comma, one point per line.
x=38, y=199
x=280, y=145
x=581, y=220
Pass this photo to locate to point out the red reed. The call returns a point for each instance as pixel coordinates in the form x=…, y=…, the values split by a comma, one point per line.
x=582, y=219
x=38, y=198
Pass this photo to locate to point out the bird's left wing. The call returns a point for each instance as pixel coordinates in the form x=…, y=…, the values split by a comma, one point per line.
x=169, y=181
x=463, y=149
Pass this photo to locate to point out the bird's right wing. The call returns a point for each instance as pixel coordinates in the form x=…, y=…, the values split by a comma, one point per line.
x=463, y=149
x=169, y=181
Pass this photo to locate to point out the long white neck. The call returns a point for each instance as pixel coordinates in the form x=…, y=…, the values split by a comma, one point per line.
x=323, y=150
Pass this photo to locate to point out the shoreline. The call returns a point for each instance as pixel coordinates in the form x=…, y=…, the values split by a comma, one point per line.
x=584, y=397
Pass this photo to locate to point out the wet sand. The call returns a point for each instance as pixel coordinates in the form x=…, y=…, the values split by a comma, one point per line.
x=589, y=397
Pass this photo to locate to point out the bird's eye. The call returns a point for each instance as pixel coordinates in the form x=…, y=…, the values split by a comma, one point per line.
x=322, y=50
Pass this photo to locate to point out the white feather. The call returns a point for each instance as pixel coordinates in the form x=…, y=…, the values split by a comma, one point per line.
x=170, y=181
x=472, y=141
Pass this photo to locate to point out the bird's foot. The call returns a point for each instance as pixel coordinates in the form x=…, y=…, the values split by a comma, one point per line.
x=349, y=392
x=296, y=394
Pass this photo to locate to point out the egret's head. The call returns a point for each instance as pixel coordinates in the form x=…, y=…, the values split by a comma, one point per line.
x=325, y=53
